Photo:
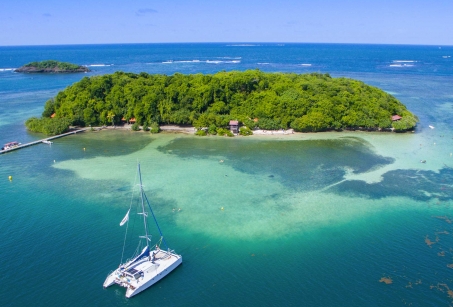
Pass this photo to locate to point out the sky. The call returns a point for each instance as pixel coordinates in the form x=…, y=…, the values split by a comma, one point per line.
x=61, y=22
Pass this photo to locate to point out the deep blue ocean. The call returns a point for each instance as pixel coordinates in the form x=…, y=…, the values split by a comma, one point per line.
x=317, y=219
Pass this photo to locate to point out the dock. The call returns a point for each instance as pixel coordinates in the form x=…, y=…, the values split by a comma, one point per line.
x=46, y=139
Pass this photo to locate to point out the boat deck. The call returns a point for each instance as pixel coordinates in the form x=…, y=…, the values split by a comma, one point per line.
x=159, y=263
x=148, y=268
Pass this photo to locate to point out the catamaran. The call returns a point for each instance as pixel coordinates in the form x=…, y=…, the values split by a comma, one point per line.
x=151, y=264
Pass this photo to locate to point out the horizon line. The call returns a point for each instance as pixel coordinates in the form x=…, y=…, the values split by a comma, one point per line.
x=236, y=44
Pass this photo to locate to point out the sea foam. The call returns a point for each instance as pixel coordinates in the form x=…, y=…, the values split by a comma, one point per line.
x=99, y=65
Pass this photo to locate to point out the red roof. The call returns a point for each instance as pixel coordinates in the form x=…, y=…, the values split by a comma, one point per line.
x=132, y=120
x=396, y=117
x=234, y=122
x=53, y=115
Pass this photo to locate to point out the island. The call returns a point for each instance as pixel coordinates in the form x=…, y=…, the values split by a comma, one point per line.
x=51, y=66
x=254, y=99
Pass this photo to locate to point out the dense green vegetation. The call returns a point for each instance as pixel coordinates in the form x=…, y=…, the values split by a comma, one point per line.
x=49, y=126
x=52, y=66
x=245, y=131
x=308, y=102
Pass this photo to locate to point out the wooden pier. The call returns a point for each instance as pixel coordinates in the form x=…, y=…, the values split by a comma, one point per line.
x=46, y=139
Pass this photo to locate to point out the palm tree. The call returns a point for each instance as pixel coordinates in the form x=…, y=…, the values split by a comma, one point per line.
x=111, y=116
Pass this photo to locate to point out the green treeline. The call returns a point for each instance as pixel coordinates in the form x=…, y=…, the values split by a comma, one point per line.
x=305, y=102
x=49, y=126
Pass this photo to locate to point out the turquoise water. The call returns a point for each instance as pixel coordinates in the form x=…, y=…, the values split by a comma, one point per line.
x=307, y=219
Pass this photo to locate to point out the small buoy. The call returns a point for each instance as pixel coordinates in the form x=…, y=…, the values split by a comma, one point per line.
x=83, y=148
x=53, y=161
x=10, y=178
x=221, y=208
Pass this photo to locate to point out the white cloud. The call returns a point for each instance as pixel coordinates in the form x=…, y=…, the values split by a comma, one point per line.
x=144, y=12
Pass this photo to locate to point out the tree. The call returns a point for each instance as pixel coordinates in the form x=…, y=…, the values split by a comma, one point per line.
x=314, y=121
x=245, y=131
x=48, y=126
x=89, y=116
x=154, y=128
x=111, y=116
x=49, y=108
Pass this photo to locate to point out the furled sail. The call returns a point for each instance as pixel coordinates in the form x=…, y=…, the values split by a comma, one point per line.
x=125, y=219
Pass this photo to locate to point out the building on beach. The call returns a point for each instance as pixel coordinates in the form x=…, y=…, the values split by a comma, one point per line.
x=234, y=126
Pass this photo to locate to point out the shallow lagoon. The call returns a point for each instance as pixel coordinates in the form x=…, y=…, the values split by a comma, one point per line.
x=291, y=223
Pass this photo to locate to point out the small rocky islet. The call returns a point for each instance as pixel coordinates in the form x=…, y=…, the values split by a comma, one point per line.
x=52, y=66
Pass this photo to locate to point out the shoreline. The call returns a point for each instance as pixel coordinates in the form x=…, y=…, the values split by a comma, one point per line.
x=257, y=132
x=165, y=128
x=192, y=130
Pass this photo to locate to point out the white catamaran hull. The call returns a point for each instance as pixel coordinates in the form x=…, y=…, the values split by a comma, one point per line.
x=149, y=272
x=131, y=292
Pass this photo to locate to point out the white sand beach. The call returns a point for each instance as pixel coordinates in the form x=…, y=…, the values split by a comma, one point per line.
x=273, y=132
x=192, y=130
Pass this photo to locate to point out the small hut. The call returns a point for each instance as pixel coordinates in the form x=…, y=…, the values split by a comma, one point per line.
x=128, y=121
x=234, y=126
x=396, y=118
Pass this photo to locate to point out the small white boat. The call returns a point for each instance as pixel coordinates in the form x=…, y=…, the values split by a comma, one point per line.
x=151, y=264
x=432, y=127
x=11, y=145
x=47, y=142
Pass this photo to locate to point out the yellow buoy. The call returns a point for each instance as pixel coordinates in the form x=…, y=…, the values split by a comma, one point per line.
x=10, y=178
x=83, y=148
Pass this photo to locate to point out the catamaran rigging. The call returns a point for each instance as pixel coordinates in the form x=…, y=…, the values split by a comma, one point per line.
x=149, y=266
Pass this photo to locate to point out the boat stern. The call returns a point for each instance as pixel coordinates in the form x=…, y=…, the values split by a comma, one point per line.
x=130, y=292
x=110, y=280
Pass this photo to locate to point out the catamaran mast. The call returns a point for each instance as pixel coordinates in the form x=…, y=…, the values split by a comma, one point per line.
x=143, y=207
x=155, y=220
